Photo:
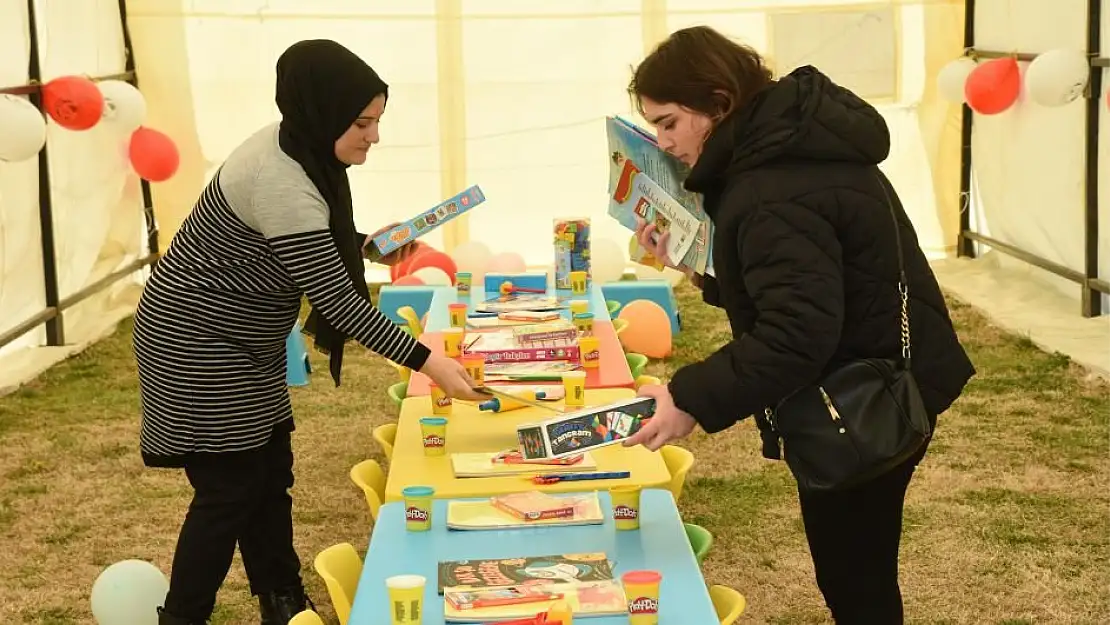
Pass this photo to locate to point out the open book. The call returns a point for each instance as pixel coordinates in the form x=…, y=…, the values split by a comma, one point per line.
x=645, y=181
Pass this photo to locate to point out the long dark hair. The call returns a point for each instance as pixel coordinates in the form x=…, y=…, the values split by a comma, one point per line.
x=702, y=70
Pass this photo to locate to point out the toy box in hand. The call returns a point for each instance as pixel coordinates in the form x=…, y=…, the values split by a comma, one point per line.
x=581, y=430
x=425, y=222
x=572, y=249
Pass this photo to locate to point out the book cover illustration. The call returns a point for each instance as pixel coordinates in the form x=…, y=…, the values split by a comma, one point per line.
x=587, y=599
x=502, y=345
x=639, y=195
x=576, y=432
x=520, y=302
x=628, y=142
x=425, y=222
x=525, y=571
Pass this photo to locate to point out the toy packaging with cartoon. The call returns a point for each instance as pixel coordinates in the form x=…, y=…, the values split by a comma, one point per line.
x=425, y=222
x=572, y=249
x=588, y=428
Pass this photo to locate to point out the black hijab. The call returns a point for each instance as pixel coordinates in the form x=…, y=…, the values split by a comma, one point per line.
x=321, y=89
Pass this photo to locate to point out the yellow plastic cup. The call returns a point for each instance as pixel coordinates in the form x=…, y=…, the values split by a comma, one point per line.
x=441, y=403
x=578, y=282
x=641, y=590
x=475, y=365
x=579, y=306
x=589, y=351
x=452, y=341
x=457, y=314
x=433, y=435
x=406, y=599
x=626, y=507
x=418, y=508
x=574, y=383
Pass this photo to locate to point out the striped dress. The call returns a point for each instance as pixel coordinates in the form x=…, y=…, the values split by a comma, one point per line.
x=211, y=325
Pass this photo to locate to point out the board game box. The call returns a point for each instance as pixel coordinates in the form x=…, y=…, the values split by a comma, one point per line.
x=581, y=430
x=425, y=222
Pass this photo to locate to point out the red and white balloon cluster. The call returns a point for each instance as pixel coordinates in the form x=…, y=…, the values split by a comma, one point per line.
x=77, y=103
x=429, y=266
x=1052, y=79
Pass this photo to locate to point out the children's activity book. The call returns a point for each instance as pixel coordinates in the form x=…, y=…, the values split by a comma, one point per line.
x=646, y=181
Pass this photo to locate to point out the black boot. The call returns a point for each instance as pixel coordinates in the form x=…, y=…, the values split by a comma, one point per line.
x=280, y=606
x=165, y=618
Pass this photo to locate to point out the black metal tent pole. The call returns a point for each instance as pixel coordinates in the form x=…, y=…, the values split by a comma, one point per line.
x=148, y=202
x=965, y=247
x=1091, y=299
x=55, y=327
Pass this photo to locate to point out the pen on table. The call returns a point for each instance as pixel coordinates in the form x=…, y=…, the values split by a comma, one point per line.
x=552, y=478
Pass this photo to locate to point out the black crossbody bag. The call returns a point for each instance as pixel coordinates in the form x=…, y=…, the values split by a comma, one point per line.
x=861, y=420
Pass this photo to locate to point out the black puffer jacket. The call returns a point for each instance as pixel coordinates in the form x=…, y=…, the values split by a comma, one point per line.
x=805, y=258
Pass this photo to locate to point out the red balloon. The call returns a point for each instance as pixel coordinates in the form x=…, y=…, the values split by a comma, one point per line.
x=434, y=258
x=992, y=87
x=153, y=155
x=408, y=281
x=402, y=268
x=74, y=102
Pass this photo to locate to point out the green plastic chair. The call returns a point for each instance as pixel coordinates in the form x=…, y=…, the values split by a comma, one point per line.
x=701, y=540
x=398, y=391
x=613, y=306
x=637, y=363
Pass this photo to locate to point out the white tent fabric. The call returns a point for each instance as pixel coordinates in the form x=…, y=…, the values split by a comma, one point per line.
x=511, y=96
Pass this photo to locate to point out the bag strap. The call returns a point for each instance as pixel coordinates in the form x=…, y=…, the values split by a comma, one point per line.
x=903, y=283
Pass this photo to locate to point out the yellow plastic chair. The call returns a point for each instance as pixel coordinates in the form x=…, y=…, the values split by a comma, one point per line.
x=369, y=476
x=398, y=390
x=678, y=461
x=647, y=380
x=340, y=566
x=408, y=313
x=385, y=435
x=402, y=371
x=613, y=306
x=727, y=603
x=308, y=617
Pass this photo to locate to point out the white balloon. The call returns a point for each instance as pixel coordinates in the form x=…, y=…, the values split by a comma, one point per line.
x=607, y=261
x=432, y=276
x=472, y=256
x=951, y=78
x=124, y=106
x=22, y=129
x=1057, y=77
x=129, y=593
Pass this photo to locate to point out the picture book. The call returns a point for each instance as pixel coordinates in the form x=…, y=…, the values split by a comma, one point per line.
x=520, y=302
x=535, y=371
x=588, y=428
x=480, y=515
x=640, y=195
x=628, y=142
x=555, y=569
x=587, y=599
x=425, y=222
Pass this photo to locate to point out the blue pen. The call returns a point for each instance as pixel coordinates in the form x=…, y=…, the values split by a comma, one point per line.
x=551, y=478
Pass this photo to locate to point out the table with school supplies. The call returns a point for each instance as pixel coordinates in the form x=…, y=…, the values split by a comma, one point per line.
x=660, y=544
x=472, y=431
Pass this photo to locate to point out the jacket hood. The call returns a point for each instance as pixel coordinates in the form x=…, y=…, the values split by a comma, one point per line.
x=802, y=116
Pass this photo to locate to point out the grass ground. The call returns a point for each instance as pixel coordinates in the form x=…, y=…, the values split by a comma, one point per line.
x=1007, y=521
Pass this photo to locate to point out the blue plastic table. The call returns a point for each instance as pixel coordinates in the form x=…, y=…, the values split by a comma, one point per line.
x=659, y=544
x=439, y=318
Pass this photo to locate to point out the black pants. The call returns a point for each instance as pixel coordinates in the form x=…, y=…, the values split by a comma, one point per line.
x=854, y=537
x=243, y=498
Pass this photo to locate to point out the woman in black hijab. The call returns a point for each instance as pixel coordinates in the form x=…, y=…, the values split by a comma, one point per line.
x=275, y=224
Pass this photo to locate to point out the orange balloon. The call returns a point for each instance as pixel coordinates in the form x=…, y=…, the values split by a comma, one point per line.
x=992, y=87
x=649, y=329
x=74, y=102
x=153, y=155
